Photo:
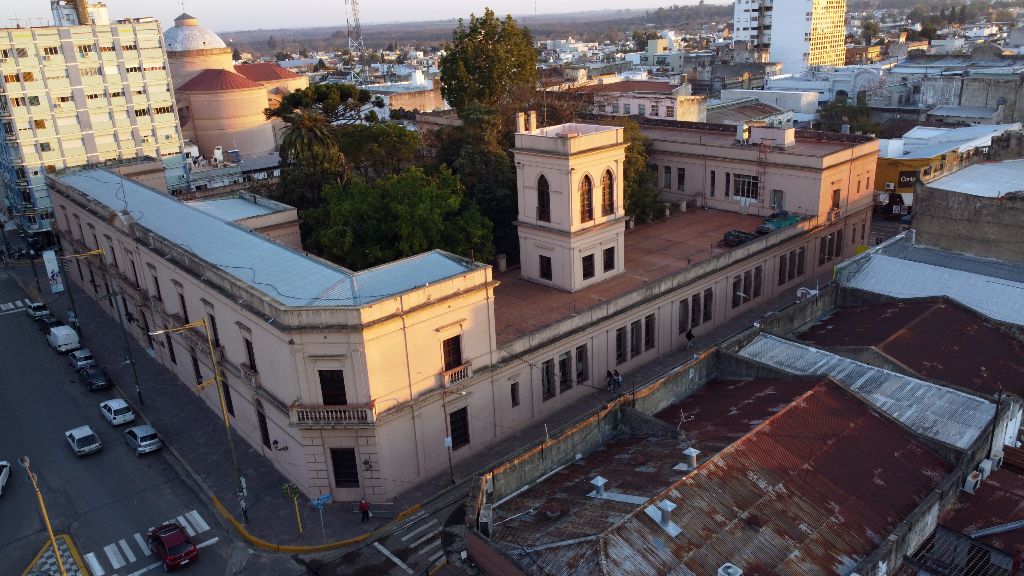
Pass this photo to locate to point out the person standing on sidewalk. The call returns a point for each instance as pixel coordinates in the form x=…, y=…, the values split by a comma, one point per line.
x=689, y=339
x=364, y=509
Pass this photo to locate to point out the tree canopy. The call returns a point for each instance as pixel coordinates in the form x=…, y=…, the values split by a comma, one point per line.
x=489, y=61
x=340, y=103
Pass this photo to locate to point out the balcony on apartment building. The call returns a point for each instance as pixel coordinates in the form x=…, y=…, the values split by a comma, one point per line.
x=326, y=416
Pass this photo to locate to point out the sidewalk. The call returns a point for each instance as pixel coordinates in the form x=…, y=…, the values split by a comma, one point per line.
x=194, y=434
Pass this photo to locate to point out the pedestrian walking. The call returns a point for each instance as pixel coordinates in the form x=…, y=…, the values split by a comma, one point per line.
x=364, y=509
x=689, y=339
x=610, y=380
x=618, y=380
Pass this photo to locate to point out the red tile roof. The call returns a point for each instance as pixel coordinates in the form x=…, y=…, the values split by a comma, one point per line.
x=265, y=72
x=217, y=80
x=936, y=338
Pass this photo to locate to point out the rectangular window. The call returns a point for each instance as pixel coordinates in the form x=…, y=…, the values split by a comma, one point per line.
x=728, y=180
x=170, y=348
x=792, y=273
x=745, y=186
x=641, y=109
x=778, y=200
x=195, y=369
x=39, y=124
x=695, y=310
x=451, y=350
x=747, y=286
x=681, y=179
x=588, y=266
x=670, y=112
x=184, y=306
x=626, y=109
x=668, y=177
x=620, y=345
x=545, y=268
x=711, y=187
x=514, y=392
x=214, y=334
x=709, y=303
x=227, y=396
x=758, y=279
x=650, y=332
x=783, y=266
x=564, y=372
x=45, y=147
x=250, y=353
x=547, y=380
x=822, y=250
x=459, y=425
x=737, y=291
x=51, y=50
x=582, y=364
x=140, y=112
x=156, y=285
x=635, y=342
x=332, y=387
x=835, y=199
x=615, y=108
x=609, y=259
x=839, y=243
x=684, y=315
x=654, y=110
x=345, y=467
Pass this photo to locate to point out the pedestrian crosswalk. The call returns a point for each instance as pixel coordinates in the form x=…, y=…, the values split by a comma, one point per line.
x=127, y=551
x=422, y=539
x=13, y=306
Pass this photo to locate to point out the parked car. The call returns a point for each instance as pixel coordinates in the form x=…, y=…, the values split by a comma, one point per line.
x=5, y=473
x=117, y=411
x=83, y=440
x=171, y=545
x=94, y=377
x=37, y=310
x=46, y=323
x=143, y=439
x=81, y=358
x=63, y=339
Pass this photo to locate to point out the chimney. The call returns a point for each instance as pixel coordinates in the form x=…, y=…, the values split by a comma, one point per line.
x=532, y=121
x=520, y=122
x=666, y=508
x=599, y=483
x=691, y=457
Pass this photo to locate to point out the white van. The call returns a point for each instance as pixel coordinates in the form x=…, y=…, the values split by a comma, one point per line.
x=63, y=339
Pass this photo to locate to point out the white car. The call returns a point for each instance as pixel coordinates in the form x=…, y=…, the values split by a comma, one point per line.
x=5, y=473
x=37, y=310
x=83, y=440
x=117, y=411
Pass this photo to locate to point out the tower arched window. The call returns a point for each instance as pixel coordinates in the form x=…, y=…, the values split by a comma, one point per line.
x=543, y=200
x=586, y=199
x=607, y=194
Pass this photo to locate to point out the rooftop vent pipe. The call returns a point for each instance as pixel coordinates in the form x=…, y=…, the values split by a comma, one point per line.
x=666, y=508
x=728, y=569
x=599, y=483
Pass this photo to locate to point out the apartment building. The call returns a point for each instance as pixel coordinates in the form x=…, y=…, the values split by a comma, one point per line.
x=363, y=384
x=798, y=33
x=657, y=99
x=77, y=95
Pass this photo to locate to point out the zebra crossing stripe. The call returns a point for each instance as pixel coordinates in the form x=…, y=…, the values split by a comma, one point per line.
x=6, y=307
x=436, y=557
x=142, y=544
x=197, y=521
x=95, y=568
x=23, y=303
x=114, y=555
x=127, y=551
x=184, y=524
x=425, y=538
x=418, y=530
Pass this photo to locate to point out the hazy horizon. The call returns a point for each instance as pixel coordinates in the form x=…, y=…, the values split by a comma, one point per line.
x=232, y=15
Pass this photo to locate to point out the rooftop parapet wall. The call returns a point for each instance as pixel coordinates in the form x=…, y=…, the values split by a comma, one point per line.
x=569, y=139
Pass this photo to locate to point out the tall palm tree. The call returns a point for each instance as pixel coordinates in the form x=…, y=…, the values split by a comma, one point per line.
x=309, y=138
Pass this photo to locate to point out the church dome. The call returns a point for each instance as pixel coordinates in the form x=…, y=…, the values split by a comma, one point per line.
x=188, y=35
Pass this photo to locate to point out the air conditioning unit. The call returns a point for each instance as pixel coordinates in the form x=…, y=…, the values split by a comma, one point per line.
x=890, y=185
x=972, y=482
x=985, y=468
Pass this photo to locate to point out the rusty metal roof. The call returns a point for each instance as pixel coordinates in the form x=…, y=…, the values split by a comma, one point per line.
x=811, y=490
x=936, y=338
x=944, y=414
x=999, y=500
x=950, y=553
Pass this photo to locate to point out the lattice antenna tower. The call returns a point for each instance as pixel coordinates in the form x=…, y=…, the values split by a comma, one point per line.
x=355, y=40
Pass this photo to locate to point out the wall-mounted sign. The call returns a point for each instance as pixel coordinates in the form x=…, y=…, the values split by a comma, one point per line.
x=907, y=179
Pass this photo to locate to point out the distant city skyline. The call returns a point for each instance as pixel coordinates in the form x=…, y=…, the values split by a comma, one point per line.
x=231, y=15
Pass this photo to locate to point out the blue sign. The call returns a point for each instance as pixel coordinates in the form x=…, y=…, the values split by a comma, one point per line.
x=319, y=502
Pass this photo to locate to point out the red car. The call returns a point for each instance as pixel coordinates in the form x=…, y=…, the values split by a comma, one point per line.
x=171, y=545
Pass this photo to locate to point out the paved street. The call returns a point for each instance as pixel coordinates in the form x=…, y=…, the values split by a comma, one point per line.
x=104, y=501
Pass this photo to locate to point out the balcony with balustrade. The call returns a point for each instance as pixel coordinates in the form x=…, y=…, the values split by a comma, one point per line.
x=325, y=416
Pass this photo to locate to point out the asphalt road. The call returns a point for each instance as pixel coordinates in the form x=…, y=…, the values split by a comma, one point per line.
x=103, y=501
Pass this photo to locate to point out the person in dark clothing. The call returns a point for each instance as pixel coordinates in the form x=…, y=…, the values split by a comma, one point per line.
x=689, y=339
x=618, y=380
x=610, y=380
x=364, y=509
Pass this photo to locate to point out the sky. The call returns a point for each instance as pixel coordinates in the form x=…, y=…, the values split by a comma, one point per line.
x=228, y=15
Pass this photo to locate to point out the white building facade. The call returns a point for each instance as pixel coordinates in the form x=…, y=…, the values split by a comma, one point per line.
x=798, y=33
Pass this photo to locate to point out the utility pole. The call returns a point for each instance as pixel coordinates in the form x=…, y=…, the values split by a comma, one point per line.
x=24, y=461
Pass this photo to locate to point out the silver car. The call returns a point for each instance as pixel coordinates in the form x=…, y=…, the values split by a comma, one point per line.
x=143, y=439
x=117, y=411
x=83, y=440
x=81, y=358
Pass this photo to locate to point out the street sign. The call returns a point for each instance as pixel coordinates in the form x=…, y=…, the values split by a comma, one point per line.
x=320, y=501
x=447, y=441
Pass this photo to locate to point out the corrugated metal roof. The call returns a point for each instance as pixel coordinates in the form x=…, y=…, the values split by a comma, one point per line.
x=996, y=298
x=811, y=491
x=999, y=500
x=282, y=273
x=936, y=338
x=949, y=416
x=988, y=180
x=949, y=553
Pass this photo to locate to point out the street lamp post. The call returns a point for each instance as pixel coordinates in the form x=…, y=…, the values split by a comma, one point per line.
x=240, y=481
x=24, y=461
x=32, y=257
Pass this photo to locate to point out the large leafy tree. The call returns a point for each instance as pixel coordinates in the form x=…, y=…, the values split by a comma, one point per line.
x=375, y=150
x=489, y=61
x=639, y=183
x=400, y=215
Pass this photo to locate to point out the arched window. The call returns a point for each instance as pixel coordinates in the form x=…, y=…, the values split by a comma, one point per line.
x=543, y=200
x=607, y=194
x=261, y=418
x=586, y=199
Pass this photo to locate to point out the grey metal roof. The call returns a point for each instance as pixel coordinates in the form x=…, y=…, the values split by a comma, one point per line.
x=282, y=273
x=231, y=209
x=949, y=416
x=990, y=180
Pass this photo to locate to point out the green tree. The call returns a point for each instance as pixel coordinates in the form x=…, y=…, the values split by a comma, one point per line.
x=489, y=61
x=642, y=37
x=310, y=158
x=272, y=43
x=279, y=56
x=236, y=55
x=340, y=103
x=375, y=150
x=639, y=183
x=401, y=215
x=833, y=115
x=870, y=30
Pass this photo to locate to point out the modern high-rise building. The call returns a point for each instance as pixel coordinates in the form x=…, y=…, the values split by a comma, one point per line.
x=798, y=33
x=81, y=94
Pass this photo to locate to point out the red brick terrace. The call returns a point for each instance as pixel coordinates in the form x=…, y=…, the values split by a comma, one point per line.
x=653, y=251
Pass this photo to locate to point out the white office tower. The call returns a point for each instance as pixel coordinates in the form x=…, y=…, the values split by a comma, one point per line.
x=66, y=12
x=798, y=33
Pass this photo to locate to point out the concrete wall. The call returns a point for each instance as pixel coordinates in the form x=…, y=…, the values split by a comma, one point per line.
x=987, y=227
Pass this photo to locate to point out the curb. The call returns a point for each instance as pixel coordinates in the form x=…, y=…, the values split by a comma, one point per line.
x=70, y=544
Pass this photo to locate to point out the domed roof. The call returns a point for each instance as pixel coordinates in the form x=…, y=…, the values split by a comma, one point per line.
x=188, y=35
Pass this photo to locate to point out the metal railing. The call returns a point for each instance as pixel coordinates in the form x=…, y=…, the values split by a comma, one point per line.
x=457, y=374
x=322, y=416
